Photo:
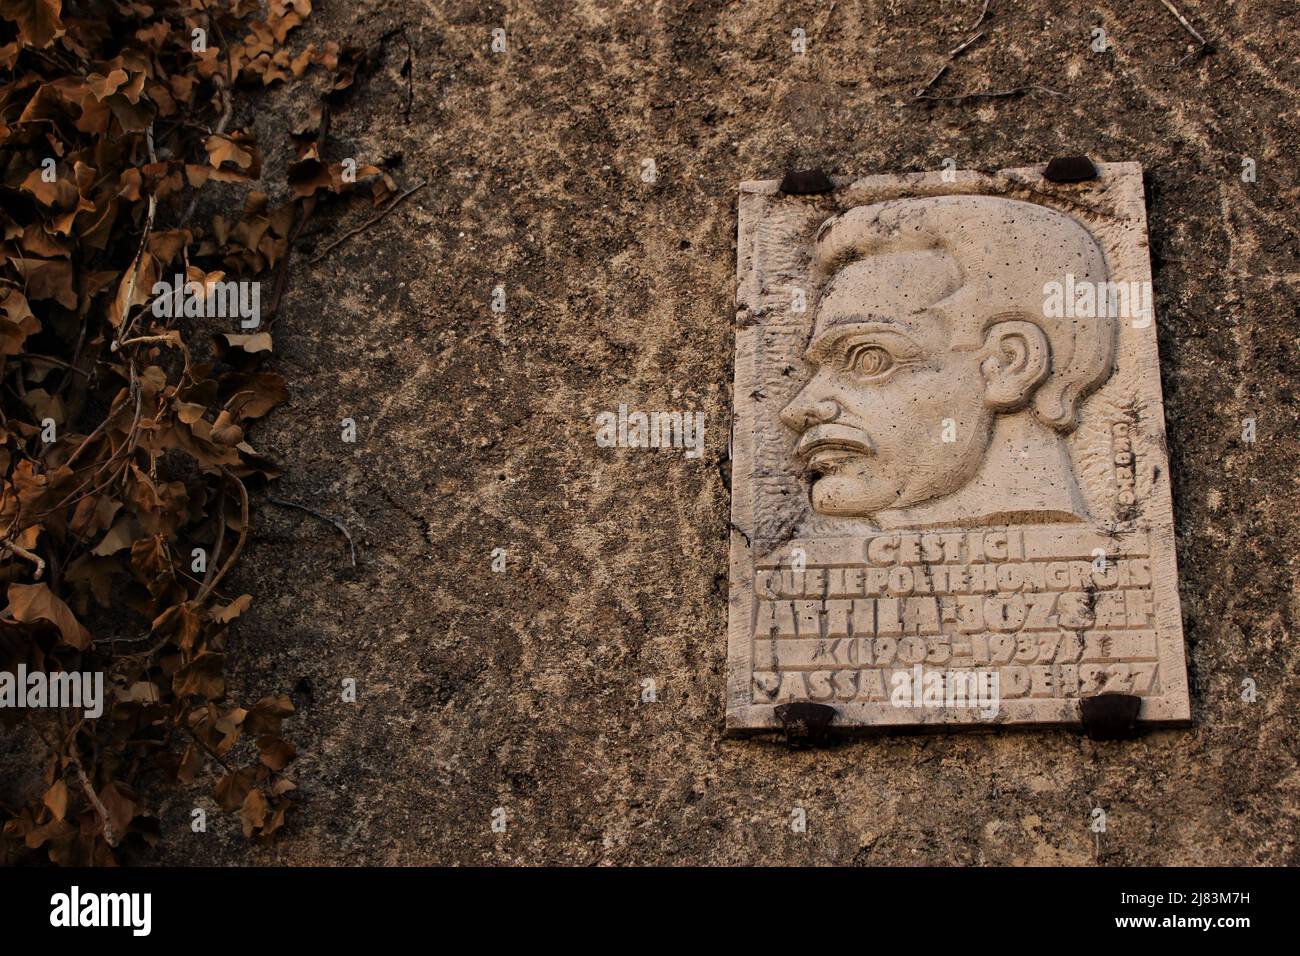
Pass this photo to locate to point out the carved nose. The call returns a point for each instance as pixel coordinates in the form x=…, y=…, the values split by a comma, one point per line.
x=806, y=411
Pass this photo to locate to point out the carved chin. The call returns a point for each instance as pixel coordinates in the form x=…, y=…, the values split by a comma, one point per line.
x=845, y=496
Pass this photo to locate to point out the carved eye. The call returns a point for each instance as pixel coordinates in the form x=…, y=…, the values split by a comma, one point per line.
x=869, y=360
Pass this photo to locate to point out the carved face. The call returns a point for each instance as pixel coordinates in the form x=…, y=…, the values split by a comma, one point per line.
x=888, y=389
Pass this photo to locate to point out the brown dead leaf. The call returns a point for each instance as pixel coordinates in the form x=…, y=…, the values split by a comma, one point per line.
x=29, y=603
x=274, y=752
x=38, y=20
x=47, y=279
x=266, y=715
x=253, y=812
x=233, y=788
x=122, y=804
x=229, y=149
x=204, y=676
x=228, y=612
x=257, y=342
x=56, y=799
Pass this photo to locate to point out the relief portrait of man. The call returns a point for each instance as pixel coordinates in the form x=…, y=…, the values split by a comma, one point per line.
x=941, y=395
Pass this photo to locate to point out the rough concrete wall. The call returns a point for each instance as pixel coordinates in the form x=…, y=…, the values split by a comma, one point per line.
x=522, y=689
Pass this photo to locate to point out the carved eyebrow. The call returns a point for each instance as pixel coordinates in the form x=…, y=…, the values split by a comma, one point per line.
x=821, y=347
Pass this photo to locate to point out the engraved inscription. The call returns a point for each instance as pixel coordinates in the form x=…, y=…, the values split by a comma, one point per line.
x=1050, y=627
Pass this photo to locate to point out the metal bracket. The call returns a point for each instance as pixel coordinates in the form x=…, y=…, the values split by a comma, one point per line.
x=805, y=723
x=807, y=182
x=1070, y=169
x=1110, y=716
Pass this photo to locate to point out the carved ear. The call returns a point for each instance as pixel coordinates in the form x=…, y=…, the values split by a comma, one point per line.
x=1017, y=360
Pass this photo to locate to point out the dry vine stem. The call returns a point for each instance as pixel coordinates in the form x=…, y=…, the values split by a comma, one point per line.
x=954, y=53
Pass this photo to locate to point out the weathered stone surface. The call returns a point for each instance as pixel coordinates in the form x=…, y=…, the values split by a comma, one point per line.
x=950, y=495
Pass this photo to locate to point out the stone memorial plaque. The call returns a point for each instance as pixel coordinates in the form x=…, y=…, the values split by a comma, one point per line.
x=950, y=494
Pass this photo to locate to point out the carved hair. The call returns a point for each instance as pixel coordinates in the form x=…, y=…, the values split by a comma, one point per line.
x=1006, y=251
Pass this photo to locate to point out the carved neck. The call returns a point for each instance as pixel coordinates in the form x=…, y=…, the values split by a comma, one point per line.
x=1026, y=477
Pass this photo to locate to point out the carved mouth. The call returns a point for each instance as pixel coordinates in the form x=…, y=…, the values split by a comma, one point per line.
x=826, y=447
